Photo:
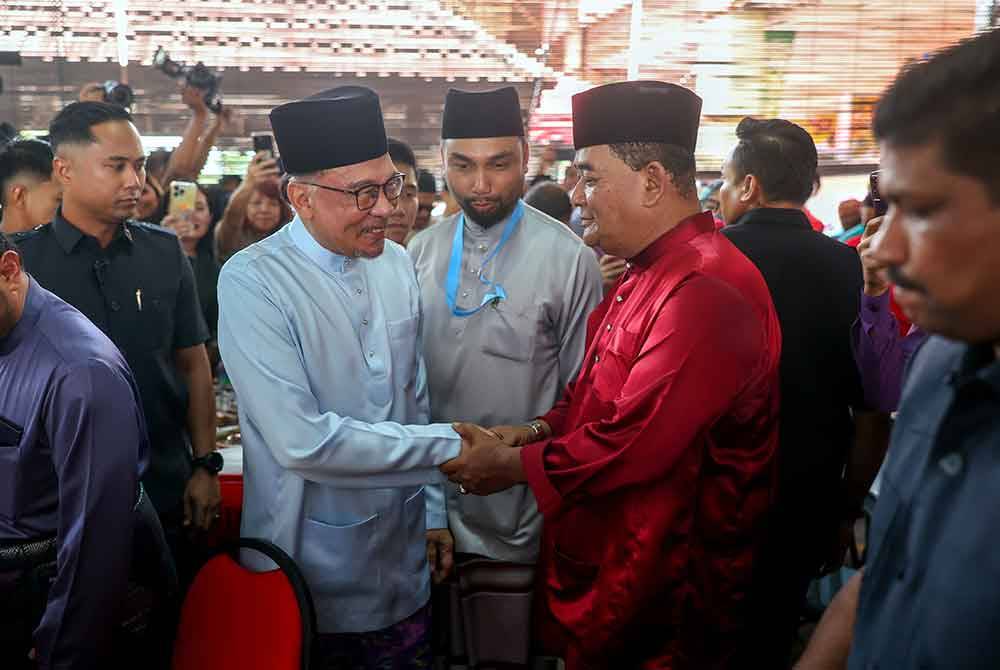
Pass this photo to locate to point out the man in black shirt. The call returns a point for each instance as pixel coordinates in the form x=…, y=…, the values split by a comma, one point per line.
x=133, y=281
x=815, y=283
x=929, y=595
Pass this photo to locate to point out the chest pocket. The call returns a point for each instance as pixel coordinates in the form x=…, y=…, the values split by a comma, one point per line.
x=154, y=329
x=10, y=438
x=403, y=342
x=511, y=331
x=613, y=364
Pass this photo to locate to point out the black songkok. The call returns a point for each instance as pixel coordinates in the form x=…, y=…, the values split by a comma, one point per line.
x=636, y=111
x=341, y=126
x=470, y=114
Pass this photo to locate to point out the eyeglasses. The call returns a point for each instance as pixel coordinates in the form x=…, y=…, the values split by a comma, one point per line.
x=366, y=197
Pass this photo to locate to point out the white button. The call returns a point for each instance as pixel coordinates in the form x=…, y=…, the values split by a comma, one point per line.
x=359, y=291
x=364, y=322
x=618, y=298
x=371, y=354
x=609, y=326
x=465, y=294
x=952, y=463
x=597, y=358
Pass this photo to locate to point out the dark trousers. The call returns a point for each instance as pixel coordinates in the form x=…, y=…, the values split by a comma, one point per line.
x=149, y=612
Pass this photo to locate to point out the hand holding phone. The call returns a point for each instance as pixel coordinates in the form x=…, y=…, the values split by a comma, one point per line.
x=183, y=195
x=263, y=142
x=878, y=204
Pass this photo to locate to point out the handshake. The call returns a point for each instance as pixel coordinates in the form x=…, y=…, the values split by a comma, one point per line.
x=490, y=459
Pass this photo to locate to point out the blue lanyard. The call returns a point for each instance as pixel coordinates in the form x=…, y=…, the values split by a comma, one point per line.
x=496, y=292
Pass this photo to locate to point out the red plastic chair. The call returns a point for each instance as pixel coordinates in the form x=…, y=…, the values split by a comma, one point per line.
x=234, y=618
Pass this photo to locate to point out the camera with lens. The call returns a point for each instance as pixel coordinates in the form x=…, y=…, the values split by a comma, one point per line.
x=196, y=76
x=118, y=93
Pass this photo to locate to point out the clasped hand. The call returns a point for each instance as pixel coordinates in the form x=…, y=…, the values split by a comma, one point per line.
x=489, y=461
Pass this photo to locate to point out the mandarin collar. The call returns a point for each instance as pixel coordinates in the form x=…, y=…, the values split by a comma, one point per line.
x=774, y=216
x=685, y=230
x=323, y=257
x=493, y=232
x=68, y=235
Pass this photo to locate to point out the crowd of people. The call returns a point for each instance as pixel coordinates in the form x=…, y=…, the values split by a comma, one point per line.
x=663, y=405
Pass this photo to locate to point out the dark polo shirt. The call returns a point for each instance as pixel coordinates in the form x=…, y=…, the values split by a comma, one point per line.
x=140, y=292
x=931, y=592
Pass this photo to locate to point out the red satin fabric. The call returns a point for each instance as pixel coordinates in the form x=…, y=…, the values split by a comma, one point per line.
x=662, y=467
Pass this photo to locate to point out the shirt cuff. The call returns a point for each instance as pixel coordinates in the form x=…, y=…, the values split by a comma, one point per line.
x=436, y=515
x=874, y=310
x=533, y=461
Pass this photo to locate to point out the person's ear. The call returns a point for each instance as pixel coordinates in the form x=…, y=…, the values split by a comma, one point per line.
x=299, y=196
x=62, y=170
x=10, y=266
x=656, y=183
x=17, y=194
x=750, y=191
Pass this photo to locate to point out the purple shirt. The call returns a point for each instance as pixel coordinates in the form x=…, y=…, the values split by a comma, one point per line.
x=73, y=446
x=881, y=352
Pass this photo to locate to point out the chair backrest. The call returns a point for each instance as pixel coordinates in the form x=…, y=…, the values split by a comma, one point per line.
x=236, y=618
x=496, y=602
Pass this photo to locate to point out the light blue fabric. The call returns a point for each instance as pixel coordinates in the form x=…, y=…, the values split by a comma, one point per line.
x=323, y=352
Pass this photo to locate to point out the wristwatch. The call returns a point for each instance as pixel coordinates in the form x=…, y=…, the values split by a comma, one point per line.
x=536, y=430
x=210, y=462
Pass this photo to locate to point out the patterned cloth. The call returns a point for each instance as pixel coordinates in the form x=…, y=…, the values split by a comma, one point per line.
x=403, y=646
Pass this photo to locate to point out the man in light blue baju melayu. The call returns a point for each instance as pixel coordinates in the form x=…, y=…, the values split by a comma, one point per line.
x=318, y=328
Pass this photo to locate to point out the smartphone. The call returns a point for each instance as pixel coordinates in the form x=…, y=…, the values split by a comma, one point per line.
x=182, y=197
x=263, y=142
x=878, y=204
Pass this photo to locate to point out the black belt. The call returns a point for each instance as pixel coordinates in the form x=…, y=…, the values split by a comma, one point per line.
x=24, y=554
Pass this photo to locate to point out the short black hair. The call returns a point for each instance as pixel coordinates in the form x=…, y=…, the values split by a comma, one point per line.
x=781, y=155
x=676, y=160
x=549, y=197
x=74, y=123
x=401, y=153
x=24, y=157
x=954, y=99
x=426, y=182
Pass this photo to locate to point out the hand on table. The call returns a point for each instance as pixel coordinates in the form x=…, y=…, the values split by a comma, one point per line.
x=486, y=464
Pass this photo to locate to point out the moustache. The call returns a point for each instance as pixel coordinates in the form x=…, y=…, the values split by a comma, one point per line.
x=897, y=277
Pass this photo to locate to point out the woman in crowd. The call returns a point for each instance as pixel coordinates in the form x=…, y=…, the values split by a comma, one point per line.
x=151, y=202
x=255, y=209
x=191, y=228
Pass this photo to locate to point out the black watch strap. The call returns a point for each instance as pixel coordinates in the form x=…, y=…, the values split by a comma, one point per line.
x=210, y=462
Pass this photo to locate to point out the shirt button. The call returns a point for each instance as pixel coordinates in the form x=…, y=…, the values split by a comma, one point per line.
x=465, y=294
x=359, y=291
x=597, y=358
x=952, y=463
x=115, y=306
x=482, y=247
x=609, y=326
x=371, y=354
x=364, y=322
x=618, y=298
